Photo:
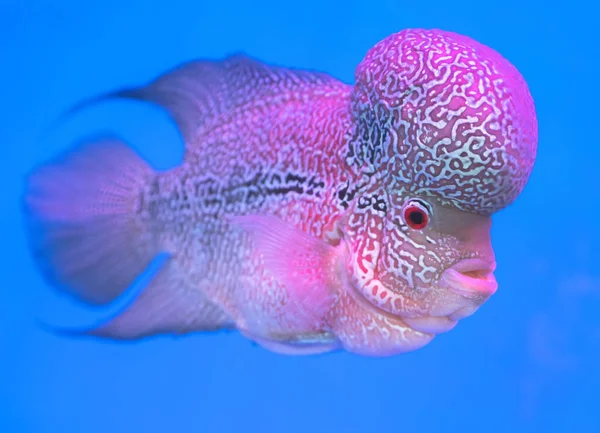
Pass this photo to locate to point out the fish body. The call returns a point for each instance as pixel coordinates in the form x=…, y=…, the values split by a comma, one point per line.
x=309, y=214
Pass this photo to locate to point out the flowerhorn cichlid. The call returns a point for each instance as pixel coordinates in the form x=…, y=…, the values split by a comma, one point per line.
x=308, y=214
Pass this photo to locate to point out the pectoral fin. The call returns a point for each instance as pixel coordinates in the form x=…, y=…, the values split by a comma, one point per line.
x=304, y=264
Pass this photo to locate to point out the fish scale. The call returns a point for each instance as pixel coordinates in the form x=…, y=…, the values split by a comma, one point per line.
x=269, y=176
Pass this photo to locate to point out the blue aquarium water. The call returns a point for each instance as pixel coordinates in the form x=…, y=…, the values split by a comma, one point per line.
x=527, y=361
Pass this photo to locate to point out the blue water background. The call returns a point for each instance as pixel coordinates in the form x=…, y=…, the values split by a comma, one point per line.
x=528, y=361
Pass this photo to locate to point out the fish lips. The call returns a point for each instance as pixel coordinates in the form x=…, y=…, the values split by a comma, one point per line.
x=472, y=279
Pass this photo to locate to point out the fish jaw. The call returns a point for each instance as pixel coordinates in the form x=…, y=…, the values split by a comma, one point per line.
x=459, y=292
x=473, y=281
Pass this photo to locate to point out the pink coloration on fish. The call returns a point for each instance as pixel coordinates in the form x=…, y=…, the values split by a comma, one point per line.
x=309, y=214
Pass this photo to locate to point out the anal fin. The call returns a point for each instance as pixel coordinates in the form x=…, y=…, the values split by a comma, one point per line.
x=168, y=305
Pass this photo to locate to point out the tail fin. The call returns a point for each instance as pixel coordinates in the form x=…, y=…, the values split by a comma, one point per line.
x=82, y=224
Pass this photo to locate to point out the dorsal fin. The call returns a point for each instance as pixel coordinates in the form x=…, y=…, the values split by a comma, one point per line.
x=198, y=91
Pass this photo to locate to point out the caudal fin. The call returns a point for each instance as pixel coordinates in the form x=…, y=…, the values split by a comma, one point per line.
x=82, y=221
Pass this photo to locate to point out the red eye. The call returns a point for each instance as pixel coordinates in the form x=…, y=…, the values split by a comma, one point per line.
x=416, y=215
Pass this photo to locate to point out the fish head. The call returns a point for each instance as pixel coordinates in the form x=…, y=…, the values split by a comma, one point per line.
x=424, y=261
x=445, y=136
x=438, y=258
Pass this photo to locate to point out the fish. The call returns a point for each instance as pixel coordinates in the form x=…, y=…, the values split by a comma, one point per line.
x=308, y=214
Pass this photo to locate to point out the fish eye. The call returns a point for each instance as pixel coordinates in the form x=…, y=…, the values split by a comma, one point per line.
x=416, y=214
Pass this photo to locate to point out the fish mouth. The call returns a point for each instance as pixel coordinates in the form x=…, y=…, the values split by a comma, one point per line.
x=471, y=278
